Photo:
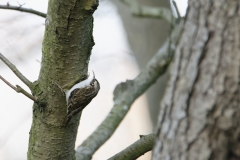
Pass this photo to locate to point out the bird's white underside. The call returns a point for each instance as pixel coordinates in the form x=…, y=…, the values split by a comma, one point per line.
x=81, y=84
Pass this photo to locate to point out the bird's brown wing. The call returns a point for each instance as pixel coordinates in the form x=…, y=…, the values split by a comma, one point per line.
x=79, y=99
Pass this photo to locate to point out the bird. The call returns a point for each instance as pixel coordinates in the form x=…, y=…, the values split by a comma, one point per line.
x=80, y=95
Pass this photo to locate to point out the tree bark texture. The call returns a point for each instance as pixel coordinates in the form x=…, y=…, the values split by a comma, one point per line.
x=66, y=50
x=200, y=112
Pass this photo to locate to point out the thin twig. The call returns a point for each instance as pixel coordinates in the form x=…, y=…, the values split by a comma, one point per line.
x=16, y=71
x=22, y=9
x=19, y=89
x=9, y=84
x=176, y=7
x=137, y=149
x=125, y=94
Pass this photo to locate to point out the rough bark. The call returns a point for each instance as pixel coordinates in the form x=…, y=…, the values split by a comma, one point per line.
x=66, y=50
x=200, y=115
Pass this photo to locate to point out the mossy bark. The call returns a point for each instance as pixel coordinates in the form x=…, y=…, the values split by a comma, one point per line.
x=66, y=51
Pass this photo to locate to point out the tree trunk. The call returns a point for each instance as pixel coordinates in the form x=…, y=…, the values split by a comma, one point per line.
x=66, y=50
x=200, y=112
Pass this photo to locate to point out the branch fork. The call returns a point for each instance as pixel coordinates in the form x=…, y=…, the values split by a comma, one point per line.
x=18, y=89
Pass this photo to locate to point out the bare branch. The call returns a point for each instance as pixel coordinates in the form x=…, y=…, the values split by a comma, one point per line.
x=146, y=11
x=19, y=89
x=125, y=94
x=16, y=71
x=137, y=149
x=9, y=84
x=22, y=9
x=176, y=7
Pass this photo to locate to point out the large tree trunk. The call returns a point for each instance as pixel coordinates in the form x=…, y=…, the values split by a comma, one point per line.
x=200, y=112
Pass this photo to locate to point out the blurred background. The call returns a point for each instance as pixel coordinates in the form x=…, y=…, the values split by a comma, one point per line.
x=123, y=46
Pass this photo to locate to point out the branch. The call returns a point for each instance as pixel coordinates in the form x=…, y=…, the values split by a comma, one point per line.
x=146, y=11
x=176, y=7
x=125, y=94
x=16, y=71
x=19, y=89
x=137, y=149
x=21, y=9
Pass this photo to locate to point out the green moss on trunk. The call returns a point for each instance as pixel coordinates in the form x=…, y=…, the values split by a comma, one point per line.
x=66, y=51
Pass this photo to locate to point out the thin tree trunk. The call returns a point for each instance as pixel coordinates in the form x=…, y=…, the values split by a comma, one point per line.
x=200, y=112
x=66, y=50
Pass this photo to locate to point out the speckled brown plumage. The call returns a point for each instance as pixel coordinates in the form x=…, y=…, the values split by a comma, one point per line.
x=80, y=98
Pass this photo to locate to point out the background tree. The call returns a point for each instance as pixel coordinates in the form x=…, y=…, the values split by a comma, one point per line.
x=199, y=117
x=145, y=39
